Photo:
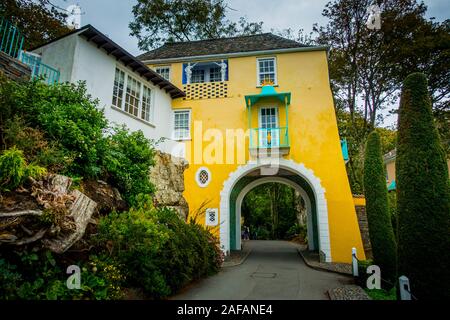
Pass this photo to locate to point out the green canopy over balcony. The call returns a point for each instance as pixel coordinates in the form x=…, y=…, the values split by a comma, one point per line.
x=268, y=91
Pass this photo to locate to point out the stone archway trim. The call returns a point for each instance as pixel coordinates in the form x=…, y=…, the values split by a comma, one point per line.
x=297, y=168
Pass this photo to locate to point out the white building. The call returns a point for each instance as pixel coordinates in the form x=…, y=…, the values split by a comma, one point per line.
x=129, y=92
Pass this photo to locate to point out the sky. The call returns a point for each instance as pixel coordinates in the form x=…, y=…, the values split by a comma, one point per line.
x=113, y=16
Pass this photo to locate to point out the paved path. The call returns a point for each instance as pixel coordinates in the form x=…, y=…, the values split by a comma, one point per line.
x=273, y=270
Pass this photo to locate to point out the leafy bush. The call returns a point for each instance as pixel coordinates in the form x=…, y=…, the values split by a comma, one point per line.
x=423, y=195
x=159, y=251
x=60, y=127
x=66, y=114
x=380, y=226
x=128, y=161
x=36, y=148
x=38, y=275
x=14, y=169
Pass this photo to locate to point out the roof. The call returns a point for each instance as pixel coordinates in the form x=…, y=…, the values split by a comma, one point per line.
x=259, y=42
x=102, y=41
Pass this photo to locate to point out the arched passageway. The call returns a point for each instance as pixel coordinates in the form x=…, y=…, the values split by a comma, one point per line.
x=289, y=173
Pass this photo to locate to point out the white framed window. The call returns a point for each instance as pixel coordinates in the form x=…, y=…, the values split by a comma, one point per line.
x=203, y=177
x=119, y=84
x=198, y=76
x=163, y=72
x=182, y=124
x=132, y=96
x=215, y=75
x=266, y=70
x=146, y=113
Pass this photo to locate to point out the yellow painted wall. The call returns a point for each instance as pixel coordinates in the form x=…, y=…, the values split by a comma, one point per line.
x=313, y=135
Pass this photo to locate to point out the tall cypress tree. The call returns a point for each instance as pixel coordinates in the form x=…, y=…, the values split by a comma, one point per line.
x=380, y=226
x=422, y=195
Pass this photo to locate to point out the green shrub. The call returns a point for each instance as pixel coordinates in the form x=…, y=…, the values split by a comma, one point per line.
x=66, y=114
x=14, y=170
x=127, y=162
x=39, y=276
x=381, y=232
x=361, y=280
x=392, y=200
x=380, y=294
x=423, y=202
x=159, y=251
x=36, y=148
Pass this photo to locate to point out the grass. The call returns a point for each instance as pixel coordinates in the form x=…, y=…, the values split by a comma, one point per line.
x=380, y=294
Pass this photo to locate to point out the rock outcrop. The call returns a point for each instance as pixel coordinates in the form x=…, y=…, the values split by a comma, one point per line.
x=48, y=211
x=168, y=176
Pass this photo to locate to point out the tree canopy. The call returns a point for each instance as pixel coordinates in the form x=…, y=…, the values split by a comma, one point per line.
x=159, y=21
x=39, y=21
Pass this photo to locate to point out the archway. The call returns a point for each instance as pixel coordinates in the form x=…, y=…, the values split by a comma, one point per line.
x=246, y=177
x=311, y=220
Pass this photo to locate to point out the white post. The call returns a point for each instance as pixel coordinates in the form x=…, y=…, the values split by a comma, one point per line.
x=405, y=289
x=354, y=263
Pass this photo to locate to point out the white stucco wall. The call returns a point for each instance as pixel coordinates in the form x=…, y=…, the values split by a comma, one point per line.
x=60, y=55
x=77, y=59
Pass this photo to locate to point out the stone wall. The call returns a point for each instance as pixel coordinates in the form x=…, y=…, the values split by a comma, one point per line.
x=168, y=176
x=13, y=68
x=364, y=229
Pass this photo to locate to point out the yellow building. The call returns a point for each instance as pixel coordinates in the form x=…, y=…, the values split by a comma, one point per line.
x=259, y=109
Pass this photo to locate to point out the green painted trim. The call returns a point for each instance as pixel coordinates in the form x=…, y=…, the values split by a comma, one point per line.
x=245, y=181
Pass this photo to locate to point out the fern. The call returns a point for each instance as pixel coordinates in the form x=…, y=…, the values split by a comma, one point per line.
x=14, y=170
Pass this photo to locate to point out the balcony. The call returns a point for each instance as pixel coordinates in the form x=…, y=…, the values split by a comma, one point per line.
x=38, y=69
x=11, y=43
x=205, y=80
x=269, y=141
x=11, y=40
x=271, y=136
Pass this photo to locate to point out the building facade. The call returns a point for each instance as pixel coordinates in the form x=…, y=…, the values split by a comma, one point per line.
x=128, y=91
x=259, y=109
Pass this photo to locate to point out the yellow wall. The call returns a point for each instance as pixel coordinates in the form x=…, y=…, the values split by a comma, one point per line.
x=313, y=135
x=390, y=170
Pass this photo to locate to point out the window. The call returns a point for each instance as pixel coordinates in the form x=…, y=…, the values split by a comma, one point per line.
x=182, y=125
x=215, y=75
x=119, y=82
x=267, y=71
x=203, y=177
x=163, y=72
x=198, y=76
x=146, y=103
x=133, y=96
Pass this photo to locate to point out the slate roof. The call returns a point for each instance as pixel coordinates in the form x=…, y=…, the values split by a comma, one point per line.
x=259, y=42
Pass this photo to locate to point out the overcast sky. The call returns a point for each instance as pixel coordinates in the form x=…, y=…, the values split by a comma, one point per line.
x=113, y=16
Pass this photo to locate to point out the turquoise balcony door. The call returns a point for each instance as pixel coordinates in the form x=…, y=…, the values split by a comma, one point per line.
x=269, y=131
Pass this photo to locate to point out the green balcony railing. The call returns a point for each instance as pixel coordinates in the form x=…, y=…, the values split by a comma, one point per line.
x=11, y=39
x=269, y=138
x=40, y=70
